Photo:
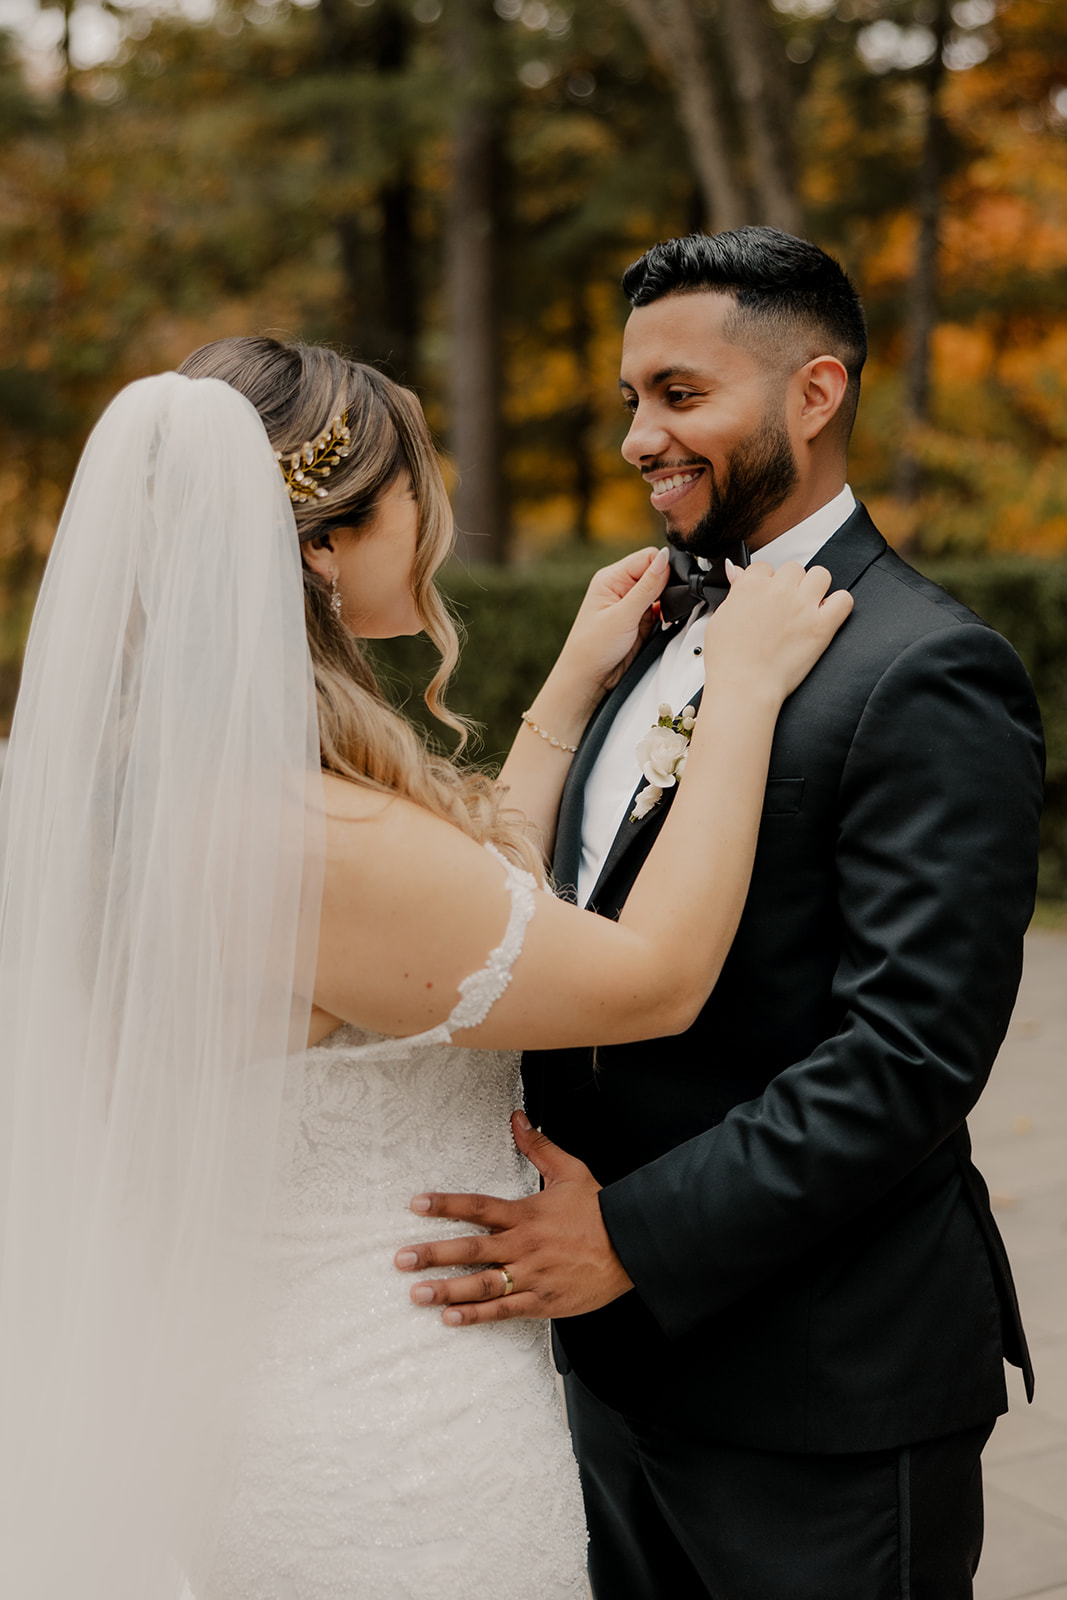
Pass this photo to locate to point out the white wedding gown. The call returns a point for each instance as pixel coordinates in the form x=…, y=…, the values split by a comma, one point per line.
x=386, y=1456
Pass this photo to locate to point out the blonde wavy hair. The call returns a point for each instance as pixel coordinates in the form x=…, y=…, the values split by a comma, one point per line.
x=298, y=389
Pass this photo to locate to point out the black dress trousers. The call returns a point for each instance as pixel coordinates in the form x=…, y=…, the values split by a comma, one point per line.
x=674, y=1516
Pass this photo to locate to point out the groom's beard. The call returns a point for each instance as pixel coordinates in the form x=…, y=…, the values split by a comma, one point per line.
x=760, y=476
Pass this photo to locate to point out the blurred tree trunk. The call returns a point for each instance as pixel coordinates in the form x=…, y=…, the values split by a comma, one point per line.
x=923, y=291
x=674, y=41
x=760, y=83
x=67, y=98
x=400, y=286
x=584, y=414
x=473, y=250
x=378, y=315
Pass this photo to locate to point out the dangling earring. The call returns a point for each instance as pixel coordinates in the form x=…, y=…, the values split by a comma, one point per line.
x=335, y=597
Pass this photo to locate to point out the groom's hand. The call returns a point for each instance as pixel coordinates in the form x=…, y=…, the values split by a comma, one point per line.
x=554, y=1245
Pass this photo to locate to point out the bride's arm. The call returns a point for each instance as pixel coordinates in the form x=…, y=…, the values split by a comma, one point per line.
x=610, y=626
x=412, y=906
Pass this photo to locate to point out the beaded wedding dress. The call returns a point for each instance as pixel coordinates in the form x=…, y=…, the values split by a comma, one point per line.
x=387, y=1456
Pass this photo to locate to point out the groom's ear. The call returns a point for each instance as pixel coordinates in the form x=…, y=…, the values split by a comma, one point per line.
x=818, y=390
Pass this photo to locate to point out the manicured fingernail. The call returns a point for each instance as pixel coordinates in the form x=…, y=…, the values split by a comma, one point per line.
x=453, y=1318
x=523, y=1121
x=730, y=568
x=421, y=1202
x=406, y=1259
x=423, y=1295
x=660, y=561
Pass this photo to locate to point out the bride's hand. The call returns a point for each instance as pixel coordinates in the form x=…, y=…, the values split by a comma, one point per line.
x=615, y=618
x=773, y=627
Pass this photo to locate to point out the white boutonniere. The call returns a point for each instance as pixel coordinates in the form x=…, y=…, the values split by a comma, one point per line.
x=661, y=755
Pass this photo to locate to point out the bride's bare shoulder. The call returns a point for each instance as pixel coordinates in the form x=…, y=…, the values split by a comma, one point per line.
x=410, y=906
x=346, y=801
x=371, y=829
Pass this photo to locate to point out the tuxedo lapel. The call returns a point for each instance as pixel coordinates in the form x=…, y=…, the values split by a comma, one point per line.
x=568, y=852
x=631, y=830
x=850, y=552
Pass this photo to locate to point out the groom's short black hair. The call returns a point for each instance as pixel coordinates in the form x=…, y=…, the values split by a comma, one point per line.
x=793, y=300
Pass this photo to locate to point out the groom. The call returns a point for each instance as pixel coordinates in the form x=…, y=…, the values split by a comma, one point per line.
x=783, y=1317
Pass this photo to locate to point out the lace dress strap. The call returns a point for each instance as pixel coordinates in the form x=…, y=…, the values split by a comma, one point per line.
x=479, y=992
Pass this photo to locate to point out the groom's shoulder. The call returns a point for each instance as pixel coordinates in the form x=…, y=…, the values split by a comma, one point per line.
x=903, y=623
x=898, y=601
x=906, y=590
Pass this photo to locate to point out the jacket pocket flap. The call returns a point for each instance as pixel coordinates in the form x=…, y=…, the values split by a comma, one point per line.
x=783, y=797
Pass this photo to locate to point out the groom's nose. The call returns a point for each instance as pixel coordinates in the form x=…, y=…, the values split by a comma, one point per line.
x=646, y=441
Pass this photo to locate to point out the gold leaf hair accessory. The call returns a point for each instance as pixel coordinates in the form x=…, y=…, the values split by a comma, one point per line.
x=315, y=460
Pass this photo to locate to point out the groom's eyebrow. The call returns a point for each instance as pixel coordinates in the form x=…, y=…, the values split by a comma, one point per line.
x=664, y=375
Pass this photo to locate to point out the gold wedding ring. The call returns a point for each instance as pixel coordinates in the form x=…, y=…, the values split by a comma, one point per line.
x=509, y=1281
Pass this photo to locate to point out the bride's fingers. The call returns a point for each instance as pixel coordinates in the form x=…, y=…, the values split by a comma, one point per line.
x=648, y=567
x=651, y=582
x=618, y=579
x=815, y=582
x=835, y=609
x=633, y=567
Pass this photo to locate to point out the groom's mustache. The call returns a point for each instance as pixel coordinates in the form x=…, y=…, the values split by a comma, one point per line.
x=674, y=466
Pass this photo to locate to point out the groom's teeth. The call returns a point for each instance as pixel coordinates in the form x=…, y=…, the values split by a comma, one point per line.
x=672, y=480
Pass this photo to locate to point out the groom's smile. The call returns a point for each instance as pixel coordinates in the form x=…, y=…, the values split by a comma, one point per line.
x=671, y=482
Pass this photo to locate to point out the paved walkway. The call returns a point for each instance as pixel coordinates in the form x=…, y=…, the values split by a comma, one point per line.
x=1020, y=1138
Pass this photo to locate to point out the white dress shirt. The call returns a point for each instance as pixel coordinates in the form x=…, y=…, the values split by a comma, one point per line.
x=675, y=677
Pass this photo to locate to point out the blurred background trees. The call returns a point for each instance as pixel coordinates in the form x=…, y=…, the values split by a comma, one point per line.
x=451, y=188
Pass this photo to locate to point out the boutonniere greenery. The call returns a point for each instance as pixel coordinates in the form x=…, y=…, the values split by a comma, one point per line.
x=661, y=755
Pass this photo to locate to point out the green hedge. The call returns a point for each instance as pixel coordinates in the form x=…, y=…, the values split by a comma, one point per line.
x=516, y=620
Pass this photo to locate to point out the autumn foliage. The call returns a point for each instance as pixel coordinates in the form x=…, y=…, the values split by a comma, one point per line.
x=182, y=174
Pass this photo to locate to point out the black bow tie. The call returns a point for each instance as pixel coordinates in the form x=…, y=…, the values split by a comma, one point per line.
x=690, y=584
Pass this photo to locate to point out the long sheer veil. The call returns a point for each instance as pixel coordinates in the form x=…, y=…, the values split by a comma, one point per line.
x=160, y=870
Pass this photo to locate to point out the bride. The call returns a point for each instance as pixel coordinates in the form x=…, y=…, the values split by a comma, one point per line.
x=264, y=961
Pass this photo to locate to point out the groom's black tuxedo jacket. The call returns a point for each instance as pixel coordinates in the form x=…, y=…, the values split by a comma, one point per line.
x=789, y=1182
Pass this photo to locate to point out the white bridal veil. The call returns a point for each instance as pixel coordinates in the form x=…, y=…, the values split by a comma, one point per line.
x=160, y=867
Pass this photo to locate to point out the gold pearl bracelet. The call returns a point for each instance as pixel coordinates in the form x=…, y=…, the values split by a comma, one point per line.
x=557, y=744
